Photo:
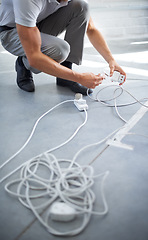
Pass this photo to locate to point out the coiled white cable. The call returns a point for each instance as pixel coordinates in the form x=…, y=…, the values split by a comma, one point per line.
x=70, y=184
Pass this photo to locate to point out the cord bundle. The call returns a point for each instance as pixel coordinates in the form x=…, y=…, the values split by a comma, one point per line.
x=46, y=179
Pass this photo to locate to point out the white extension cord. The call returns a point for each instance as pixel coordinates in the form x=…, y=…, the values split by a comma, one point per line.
x=114, y=98
x=66, y=190
x=63, y=189
x=79, y=105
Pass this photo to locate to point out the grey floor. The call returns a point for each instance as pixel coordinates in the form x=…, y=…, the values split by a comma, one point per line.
x=125, y=188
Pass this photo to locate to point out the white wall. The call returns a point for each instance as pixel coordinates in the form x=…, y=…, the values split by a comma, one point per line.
x=121, y=19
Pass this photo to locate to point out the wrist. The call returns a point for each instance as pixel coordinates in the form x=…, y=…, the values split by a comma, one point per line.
x=76, y=77
x=110, y=60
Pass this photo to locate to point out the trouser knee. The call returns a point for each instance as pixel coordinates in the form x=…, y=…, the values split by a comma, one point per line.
x=62, y=52
x=58, y=51
x=81, y=6
x=54, y=47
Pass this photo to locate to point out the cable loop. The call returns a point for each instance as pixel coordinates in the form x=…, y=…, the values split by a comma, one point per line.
x=71, y=185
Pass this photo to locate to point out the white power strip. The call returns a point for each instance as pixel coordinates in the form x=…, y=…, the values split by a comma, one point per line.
x=80, y=103
x=60, y=211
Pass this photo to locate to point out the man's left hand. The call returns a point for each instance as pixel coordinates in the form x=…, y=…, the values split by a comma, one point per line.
x=114, y=66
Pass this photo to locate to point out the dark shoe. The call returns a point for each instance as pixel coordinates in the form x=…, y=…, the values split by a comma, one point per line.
x=24, y=76
x=74, y=86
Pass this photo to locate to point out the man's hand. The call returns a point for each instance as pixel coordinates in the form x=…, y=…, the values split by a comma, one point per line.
x=99, y=43
x=91, y=80
x=114, y=66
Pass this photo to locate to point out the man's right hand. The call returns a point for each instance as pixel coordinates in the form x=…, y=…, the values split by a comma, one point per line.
x=91, y=80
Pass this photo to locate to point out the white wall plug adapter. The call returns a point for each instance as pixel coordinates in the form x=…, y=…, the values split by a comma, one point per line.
x=117, y=77
x=80, y=103
x=61, y=211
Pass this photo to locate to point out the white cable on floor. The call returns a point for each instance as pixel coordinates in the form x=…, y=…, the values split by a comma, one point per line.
x=116, y=108
x=34, y=128
x=63, y=184
x=71, y=185
x=75, y=156
x=50, y=150
x=104, y=102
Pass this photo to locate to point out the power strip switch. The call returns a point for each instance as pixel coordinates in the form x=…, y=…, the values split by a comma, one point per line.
x=80, y=103
x=61, y=211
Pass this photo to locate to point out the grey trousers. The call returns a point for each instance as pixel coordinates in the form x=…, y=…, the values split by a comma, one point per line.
x=72, y=19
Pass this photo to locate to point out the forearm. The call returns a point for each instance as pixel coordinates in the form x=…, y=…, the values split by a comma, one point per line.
x=100, y=44
x=98, y=41
x=47, y=65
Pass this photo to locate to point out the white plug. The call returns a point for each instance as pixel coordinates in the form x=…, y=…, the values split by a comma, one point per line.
x=61, y=211
x=80, y=103
x=117, y=77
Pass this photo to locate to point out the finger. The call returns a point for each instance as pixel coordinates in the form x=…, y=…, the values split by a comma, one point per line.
x=99, y=82
x=119, y=69
x=111, y=70
x=122, y=82
x=100, y=77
